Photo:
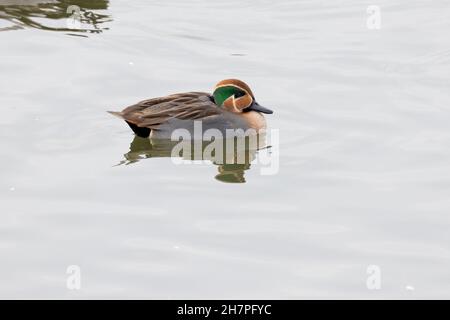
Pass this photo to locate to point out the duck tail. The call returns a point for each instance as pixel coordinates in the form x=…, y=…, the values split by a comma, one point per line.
x=116, y=113
x=142, y=132
x=139, y=131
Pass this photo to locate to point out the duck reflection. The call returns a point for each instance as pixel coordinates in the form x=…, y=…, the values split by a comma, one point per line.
x=74, y=17
x=232, y=157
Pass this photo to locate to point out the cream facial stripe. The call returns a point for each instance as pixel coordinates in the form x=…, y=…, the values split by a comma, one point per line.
x=233, y=101
x=240, y=88
x=232, y=85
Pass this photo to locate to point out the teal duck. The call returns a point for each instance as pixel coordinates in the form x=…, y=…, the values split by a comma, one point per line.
x=232, y=105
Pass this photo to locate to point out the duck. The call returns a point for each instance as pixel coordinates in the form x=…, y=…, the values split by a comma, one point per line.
x=232, y=105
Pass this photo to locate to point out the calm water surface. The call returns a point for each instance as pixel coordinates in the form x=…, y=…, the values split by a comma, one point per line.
x=364, y=175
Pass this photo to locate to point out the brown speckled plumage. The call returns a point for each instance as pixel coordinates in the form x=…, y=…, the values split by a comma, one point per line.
x=153, y=112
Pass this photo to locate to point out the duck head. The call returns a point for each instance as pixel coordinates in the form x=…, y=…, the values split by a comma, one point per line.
x=236, y=96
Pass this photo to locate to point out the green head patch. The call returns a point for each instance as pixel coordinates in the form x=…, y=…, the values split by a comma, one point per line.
x=223, y=93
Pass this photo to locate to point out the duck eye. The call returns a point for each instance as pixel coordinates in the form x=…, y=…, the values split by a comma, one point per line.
x=239, y=94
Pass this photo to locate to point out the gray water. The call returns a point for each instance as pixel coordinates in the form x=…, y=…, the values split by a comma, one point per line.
x=364, y=177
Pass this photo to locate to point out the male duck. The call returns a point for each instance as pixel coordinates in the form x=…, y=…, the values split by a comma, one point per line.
x=231, y=106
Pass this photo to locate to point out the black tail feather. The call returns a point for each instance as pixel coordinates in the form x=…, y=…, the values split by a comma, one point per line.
x=139, y=131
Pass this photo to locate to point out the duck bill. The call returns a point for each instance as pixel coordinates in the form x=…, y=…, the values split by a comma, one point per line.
x=256, y=107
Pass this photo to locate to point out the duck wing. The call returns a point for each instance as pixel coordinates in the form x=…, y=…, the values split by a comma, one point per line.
x=185, y=106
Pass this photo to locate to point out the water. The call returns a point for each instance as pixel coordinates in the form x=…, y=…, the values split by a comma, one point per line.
x=364, y=150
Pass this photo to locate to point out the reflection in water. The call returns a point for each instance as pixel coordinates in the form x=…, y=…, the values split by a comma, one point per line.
x=233, y=157
x=75, y=16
